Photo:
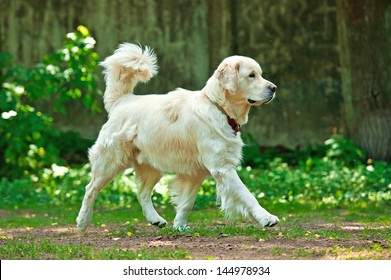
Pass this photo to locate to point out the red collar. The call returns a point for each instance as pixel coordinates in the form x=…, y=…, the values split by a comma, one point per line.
x=233, y=124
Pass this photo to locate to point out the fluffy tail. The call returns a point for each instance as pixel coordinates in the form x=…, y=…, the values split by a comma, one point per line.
x=128, y=65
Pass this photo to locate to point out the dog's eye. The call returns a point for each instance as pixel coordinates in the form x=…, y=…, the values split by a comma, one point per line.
x=252, y=76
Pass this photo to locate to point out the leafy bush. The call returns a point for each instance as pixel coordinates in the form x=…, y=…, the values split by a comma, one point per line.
x=27, y=136
x=67, y=74
x=61, y=185
x=343, y=148
x=335, y=173
x=326, y=182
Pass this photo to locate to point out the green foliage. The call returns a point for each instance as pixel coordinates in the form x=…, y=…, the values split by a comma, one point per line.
x=322, y=181
x=61, y=185
x=311, y=180
x=343, y=148
x=333, y=174
x=25, y=134
x=72, y=147
x=28, y=140
x=67, y=74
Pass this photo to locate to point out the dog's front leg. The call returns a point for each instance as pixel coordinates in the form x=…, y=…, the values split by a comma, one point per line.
x=237, y=199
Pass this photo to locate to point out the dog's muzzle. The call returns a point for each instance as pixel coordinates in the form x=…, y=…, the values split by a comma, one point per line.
x=260, y=102
x=271, y=90
x=270, y=99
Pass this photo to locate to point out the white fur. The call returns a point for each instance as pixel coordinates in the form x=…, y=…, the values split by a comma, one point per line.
x=185, y=132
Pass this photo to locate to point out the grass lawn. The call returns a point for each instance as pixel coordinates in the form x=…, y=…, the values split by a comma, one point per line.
x=305, y=232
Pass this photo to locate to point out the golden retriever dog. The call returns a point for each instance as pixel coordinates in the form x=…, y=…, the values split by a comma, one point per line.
x=190, y=133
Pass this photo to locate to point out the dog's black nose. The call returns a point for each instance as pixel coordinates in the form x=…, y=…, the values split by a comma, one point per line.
x=273, y=87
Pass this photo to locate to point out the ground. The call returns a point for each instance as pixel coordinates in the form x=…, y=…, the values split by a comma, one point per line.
x=332, y=236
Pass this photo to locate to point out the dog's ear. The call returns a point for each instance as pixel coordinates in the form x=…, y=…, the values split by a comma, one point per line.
x=228, y=76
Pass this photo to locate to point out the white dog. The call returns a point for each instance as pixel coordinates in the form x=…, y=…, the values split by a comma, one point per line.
x=191, y=133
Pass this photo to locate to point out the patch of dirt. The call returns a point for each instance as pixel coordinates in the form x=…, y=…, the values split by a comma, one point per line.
x=220, y=247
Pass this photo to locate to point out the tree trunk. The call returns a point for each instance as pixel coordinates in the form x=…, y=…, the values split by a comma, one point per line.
x=364, y=28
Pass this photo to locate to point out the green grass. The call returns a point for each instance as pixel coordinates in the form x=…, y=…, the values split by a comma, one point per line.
x=308, y=253
x=45, y=249
x=206, y=221
x=368, y=224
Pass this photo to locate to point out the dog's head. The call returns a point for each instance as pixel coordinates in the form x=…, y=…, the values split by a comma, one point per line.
x=242, y=81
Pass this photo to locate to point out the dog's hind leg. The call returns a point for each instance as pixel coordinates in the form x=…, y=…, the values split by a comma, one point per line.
x=92, y=189
x=183, y=191
x=148, y=177
x=104, y=168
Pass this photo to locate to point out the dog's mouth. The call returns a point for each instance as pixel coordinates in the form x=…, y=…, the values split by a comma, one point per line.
x=260, y=102
x=270, y=99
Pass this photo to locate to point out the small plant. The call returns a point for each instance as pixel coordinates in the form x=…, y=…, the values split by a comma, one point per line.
x=343, y=148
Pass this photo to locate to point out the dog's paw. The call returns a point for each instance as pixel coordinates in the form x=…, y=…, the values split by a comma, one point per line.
x=182, y=228
x=269, y=220
x=161, y=223
x=81, y=228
